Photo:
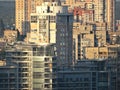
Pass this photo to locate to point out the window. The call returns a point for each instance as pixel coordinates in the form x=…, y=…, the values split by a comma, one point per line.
x=33, y=19
x=46, y=59
x=52, y=19
x=42, y=23
x=37, y=75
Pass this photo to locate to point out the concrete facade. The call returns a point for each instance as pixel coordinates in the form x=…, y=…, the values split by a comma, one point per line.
x=10, y=36
x=101, y=53
x=88, y=75
x=35, y=65
x=53, y=24
x=22, y=16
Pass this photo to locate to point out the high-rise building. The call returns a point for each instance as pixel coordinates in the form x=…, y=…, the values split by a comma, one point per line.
x=22, y=16
x=98, y=14
x=88, y=75
x=8, y=78
x=83, y=36
x=36, y=3
x=104, y=10
x=35, y=65
x=53, y=24
x=99, y=9
x=111, y=14
x=49, y=45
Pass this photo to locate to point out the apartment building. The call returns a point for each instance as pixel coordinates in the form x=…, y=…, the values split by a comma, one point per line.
x=22, y=16
x=100, y=53
x=35, y=65
x=53, y=24
x=83, y=15
x=101, y=10
x=88, y=75
x=11, y=36
x=83, y=36
x=8, y=78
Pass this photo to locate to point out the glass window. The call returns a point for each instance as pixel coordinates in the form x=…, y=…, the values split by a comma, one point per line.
x=33, y=19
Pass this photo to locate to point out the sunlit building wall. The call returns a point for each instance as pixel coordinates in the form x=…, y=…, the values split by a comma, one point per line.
x=101, y=53
x=53, y=24
x=22, y=16
x=83, y=36
x=10, y=36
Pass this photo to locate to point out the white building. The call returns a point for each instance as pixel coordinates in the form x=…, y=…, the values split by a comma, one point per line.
x=53, y=24
x=35, y=66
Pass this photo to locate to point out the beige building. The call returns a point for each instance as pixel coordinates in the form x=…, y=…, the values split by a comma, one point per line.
x=22, y=16
x=10, y=36
x=111, y=14
x=83, y=15
x=35, y=3
x=99, y=9
x=53, y=24
x=87, y=40
x=104, y=10
x=100, y=38
x=92, y=21
x=101, y=53
x=78, y=2
x=101, y=26
x=83, y=36
x=2, y=63
x=101, y=34
x=83, y=28
x=91, y=53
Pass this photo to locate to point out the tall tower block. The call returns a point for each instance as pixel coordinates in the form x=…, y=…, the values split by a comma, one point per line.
x=53, y=24
x=22, y=14
x=111, y=14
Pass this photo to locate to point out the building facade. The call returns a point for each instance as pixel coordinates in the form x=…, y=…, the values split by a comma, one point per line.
x=53, y=24
x=10, y=36
x=22, y=16
x=8, y=78
x=35, y=66
x=94, y=21
x=101, y=53
x=88, y=75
